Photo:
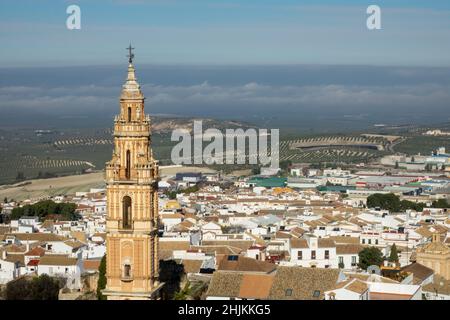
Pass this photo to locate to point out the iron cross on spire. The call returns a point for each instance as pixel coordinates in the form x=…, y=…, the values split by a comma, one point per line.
x=130, y=54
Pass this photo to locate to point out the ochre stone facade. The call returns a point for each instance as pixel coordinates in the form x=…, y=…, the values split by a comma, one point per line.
x=132, y=202
x=436, y=256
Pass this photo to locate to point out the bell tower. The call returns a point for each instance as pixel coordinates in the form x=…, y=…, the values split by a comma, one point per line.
x=132, y=175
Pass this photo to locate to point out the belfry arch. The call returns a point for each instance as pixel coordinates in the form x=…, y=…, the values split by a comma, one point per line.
x=129, y=114
x=128, y=165
x=127, y=212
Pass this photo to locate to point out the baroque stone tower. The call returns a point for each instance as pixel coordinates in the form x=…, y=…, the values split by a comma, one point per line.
x=132, y=201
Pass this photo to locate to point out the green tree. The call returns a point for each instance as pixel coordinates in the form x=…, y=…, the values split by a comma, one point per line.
x=392, y=203
x=44, y=288
x=388, y=201
x=184, y=293
x=170, y=272
x=370, y=256
x=171, y=194
x=405, y=205
x=18, y=290
x=393, y=257
x=39, y=288
x=101, y=283
x=441, y=203
x=46, y=208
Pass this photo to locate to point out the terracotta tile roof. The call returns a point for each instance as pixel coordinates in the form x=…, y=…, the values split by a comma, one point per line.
x=326, y=243
x=192, y=266
x=424, y=232
x=171, y=216
x=241, y=263
x=4, y=230
x=282, y=235
x=388, y=296
x=299, y=243
x=37, y=252
x=166, y=248
x=348, y=248
x=75, y=244
x=190, y=215
x=342, y=284
x=439, y=284
x=357, y=286
x=256, y=286
x=174, y=245
x=218, y=249
x=91, y=264
x=20, y=258
x=165, y=255
x=345, y=240
x=242, y=244
x=303, y=243
x=298, y=232
x=33, y=263
x=14, y=248
x=79, y=235
x=419, y=271
x=297, y=283
x=57, y=260
x=257, y=239
x=225, y=284
x=37, y=237
x=187, y=224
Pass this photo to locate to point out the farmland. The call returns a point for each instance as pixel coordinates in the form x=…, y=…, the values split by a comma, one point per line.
x=333, y=148
x=422, y=144
x=30, y=153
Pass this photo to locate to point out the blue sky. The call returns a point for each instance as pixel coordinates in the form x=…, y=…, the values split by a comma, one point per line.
x=214, y=32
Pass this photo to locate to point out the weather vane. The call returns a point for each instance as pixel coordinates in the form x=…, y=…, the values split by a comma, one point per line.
x=130, y=54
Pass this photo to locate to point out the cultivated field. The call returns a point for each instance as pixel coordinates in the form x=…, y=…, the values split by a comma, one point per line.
x=422, y=144
x=42, y=188
x=334, y=148
x=29, y=154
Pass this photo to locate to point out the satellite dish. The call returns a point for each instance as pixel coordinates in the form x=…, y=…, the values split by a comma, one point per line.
x=374, y=269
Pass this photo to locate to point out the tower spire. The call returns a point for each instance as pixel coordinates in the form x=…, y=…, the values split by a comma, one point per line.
x=131, y=87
